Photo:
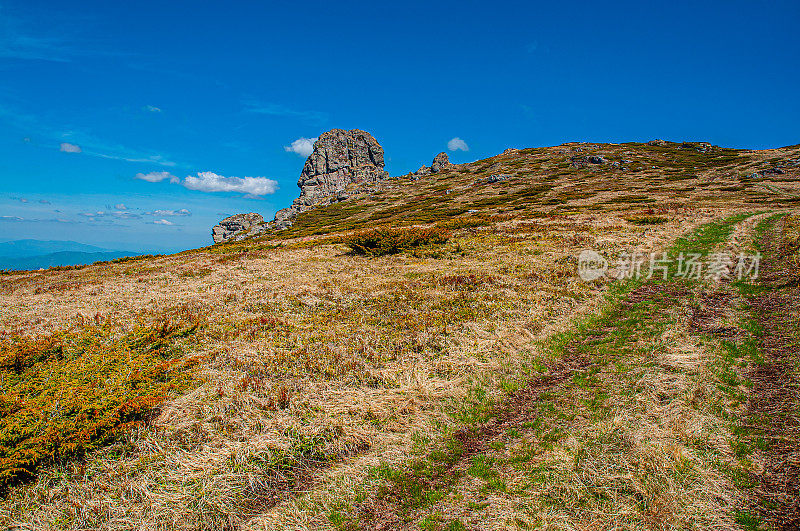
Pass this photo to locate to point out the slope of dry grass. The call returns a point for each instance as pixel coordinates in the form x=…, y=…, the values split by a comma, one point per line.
x=321, y=368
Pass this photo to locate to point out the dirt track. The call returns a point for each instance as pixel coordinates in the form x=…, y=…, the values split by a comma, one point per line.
x=774, y=404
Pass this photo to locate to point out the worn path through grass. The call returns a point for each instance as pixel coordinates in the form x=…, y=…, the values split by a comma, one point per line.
x=629, y=423
x=770, y=432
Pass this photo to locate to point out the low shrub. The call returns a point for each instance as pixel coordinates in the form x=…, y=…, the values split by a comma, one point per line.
x=69, y=392
x=465, y=222
x=380, y=242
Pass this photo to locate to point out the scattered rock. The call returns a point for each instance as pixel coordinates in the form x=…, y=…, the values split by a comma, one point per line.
x=493, y=179
x=777, y=170
x=702, y=147
x=583, y=160
x=422, y=171
x=657, y=142
x=237, y=227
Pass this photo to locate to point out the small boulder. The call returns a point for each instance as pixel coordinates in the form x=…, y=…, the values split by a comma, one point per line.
x=423, y=170
x=236, y=225
x=492, y=179
x=583, y=160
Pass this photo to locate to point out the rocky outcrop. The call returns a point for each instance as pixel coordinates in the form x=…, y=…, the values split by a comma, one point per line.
x=237, y=227
x=440, y=162
x=340, y=160
x=657, y=142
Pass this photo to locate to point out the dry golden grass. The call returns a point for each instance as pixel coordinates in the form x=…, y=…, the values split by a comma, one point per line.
x=316, y=357
x=322, y=365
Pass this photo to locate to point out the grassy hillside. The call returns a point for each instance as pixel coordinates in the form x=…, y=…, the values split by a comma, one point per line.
x=355, y=372
x=562, y=179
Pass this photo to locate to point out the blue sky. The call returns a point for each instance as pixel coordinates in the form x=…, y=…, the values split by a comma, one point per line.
x=95, y=93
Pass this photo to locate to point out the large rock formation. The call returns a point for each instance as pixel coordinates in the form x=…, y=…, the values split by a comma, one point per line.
x=340, y=159
x=237, y=227
x=440, y=162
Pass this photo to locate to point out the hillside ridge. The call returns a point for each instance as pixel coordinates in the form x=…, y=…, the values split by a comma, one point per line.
x=575, y=176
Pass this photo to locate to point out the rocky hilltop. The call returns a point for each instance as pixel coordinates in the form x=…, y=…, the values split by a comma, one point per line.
x=340, y=160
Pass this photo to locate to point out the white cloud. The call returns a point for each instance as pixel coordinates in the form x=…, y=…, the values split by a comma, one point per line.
x=66, y=147
x=152, y=108
x=157, y=177
x=121, y=206
x=163, y=222
x=302, y=146
x=207, y=181
x=163, y=213
x=456, y=144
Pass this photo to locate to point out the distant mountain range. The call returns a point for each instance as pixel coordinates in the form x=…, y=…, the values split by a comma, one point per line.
x=37, y=254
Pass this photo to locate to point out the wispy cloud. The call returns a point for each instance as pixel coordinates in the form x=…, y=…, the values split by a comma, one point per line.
x=163, y=222
x=151, y=159
x=119, y=214
x=457, y=144
x=302, y=146
x=157, y=177
x=18, y=42
x=120, y=206
x=48, y=37
x=151, y=108
x=66, y=147
x=17, y=219
x=167, y=213
x=76, y=141
x=274, y=109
